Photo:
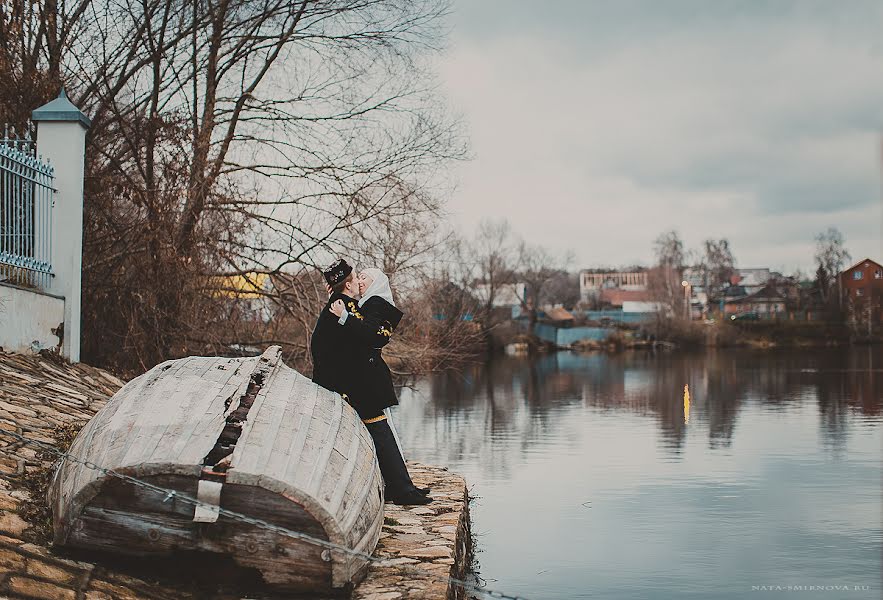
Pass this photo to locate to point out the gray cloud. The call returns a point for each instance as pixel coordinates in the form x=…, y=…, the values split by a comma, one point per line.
x=596, y=125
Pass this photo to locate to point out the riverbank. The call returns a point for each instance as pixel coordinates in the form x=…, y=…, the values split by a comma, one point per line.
x=48, y=401
x=680, y=334
x=758, y=334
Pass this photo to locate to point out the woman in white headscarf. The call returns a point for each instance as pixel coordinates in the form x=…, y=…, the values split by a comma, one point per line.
x=373, y=321
x=374, y=283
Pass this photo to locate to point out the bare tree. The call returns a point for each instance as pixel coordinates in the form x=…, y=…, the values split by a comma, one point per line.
x=404, y=239
x=717, y=266
x=665, y=278
x=231, y=138
x=831, y=257
x=492, y=253
x=33, y=38
x=563, y=289
x=537, y=267
x=439, y=331
x=431, y=278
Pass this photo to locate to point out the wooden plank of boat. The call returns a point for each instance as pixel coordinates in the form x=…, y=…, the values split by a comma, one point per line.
x=252, y=435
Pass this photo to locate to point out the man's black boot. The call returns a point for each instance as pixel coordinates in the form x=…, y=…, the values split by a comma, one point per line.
x=399, y=487
x=409, y=497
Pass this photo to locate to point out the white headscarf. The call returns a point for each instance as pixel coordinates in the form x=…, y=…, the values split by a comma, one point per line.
x=379, y=287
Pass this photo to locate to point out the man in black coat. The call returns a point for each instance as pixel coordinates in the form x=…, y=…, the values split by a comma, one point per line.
x=333, y=358
x=346, y=360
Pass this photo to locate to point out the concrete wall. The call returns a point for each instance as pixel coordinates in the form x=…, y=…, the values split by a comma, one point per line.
x=648, y=309
x=27, y=318
x=564, y=336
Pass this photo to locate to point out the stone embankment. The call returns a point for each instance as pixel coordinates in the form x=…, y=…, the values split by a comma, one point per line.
x=423, y=545
x=48, y=401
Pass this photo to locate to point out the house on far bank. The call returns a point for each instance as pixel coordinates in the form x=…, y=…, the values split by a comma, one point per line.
x=767, y=302
x=863, y=290
x=696, y=290
x=593, y=282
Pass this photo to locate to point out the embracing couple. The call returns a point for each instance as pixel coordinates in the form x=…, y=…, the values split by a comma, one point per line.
x=356, y=323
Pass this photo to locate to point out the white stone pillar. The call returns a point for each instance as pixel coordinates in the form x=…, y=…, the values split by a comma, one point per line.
x=61, y=139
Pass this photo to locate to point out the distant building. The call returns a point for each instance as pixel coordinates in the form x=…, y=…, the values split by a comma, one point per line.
x=753, y=280
x=772, y=291
x=768, y=302
x=591, y=283
x=863, y=289
x=698, y=294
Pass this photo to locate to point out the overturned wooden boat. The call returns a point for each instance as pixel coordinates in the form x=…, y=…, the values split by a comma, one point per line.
x=247, y=435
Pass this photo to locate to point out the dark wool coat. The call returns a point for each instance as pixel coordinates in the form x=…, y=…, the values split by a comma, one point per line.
x=332, y=356
x=347, y=359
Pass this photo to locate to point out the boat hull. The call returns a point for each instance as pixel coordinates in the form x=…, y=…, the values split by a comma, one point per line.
x=249, y=436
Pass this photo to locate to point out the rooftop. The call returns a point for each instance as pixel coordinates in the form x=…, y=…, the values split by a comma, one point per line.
x=559, y=314
x=862, y=262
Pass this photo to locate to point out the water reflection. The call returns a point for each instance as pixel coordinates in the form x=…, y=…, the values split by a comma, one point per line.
x=686, y=404
x=664, y=476
x=649, y=385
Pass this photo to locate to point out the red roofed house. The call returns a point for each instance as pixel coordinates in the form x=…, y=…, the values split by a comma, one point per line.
x=863, y=288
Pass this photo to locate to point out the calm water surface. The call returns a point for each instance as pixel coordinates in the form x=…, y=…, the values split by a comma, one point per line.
x=595, y=478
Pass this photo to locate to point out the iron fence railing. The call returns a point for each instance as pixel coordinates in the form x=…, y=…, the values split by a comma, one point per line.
x=27, y=196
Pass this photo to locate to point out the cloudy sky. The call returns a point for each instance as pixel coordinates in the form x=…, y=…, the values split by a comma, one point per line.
x=596, y=125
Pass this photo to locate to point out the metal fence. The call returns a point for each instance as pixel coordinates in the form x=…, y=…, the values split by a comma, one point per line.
x=26, y=201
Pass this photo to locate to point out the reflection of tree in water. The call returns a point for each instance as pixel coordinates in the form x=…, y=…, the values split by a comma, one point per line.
x=842, y=382
x=847, y=383
x=864, y=374
x=720, y=386
x=833, y=413
x=486, y=410
x=634, y=382
x=522, y=401
x=722, y=382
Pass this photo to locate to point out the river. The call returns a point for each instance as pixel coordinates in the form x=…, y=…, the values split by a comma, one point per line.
x=727, y=474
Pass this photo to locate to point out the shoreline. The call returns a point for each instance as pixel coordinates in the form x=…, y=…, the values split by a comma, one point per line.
x=695, y=335
x=421, y=545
